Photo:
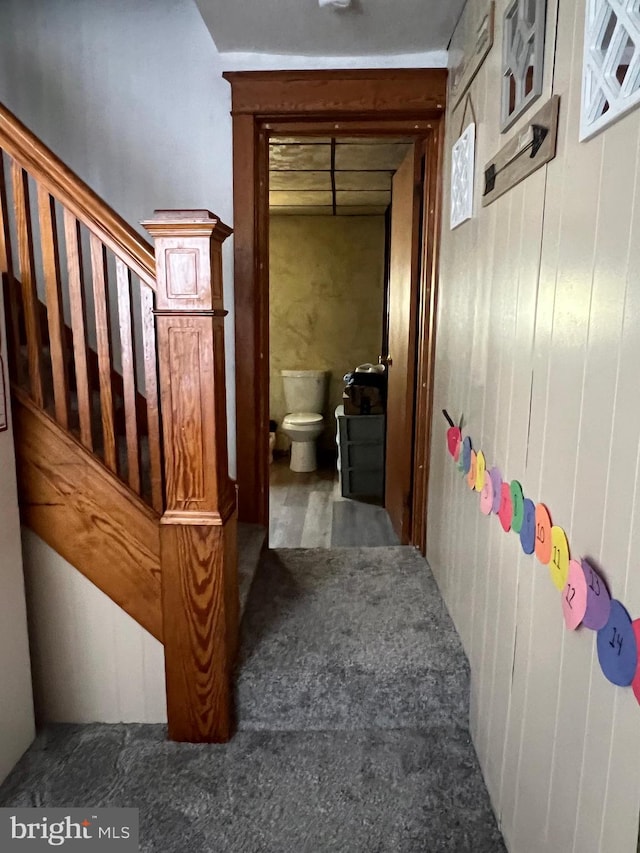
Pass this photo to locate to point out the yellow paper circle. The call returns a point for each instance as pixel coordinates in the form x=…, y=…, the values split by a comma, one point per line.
x=559, y=562
x=481, y=467
x=471, y=476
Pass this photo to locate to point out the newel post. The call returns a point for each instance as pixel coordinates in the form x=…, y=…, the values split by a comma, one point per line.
x=198, y=528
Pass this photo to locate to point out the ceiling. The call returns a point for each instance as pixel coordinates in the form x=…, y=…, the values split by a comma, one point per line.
x=335, y=177
x=302, y=28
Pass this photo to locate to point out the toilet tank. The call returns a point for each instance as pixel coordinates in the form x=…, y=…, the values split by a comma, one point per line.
x=304, y=390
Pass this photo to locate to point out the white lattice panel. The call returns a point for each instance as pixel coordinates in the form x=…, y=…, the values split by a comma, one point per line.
x=522, y=57
x=611, y=69
x=462, y=175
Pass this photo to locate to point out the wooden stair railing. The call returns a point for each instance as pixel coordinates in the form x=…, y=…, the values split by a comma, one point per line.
x=98, y=337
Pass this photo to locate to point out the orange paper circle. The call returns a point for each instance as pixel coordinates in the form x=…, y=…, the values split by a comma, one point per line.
x=543, y=534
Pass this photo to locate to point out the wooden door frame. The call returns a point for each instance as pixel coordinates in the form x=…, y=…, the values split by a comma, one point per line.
x=407, y=102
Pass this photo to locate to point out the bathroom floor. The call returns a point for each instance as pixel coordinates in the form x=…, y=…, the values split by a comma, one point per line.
x=308, y=511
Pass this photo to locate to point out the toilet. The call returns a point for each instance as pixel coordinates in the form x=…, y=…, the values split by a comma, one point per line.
x=304, y=392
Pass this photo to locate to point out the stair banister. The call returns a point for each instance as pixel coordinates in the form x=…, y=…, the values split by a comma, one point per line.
x=199, y=525
x=49, y=171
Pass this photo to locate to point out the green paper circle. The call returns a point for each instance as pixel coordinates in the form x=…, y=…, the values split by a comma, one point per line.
x=517, y=502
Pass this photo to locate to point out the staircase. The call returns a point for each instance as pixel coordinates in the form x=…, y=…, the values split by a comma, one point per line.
x=116, y=358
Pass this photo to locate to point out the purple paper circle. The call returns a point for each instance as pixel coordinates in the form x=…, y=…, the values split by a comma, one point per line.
x=496, y=481
x=598, y=599
x=466, y=455
x=617, y=647
x=528, y=528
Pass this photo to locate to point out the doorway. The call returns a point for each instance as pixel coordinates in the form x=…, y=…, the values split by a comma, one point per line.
x=328, y=280
x=406, y=103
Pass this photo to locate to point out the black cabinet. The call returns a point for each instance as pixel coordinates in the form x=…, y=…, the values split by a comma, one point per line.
x=360, y=441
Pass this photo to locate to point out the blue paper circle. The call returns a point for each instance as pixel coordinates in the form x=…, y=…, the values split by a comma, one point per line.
x=617, y=647
x=466, y=455
x=528, y=529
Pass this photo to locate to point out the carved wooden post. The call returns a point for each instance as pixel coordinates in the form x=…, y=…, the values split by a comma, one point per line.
x=198, y=528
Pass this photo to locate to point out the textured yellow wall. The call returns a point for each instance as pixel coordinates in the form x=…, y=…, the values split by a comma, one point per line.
x=326, y=292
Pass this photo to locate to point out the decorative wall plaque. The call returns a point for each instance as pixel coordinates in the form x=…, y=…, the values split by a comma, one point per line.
x=462, y=176
x=610, y=78
x=470, y=44
x=522, y=57
x=518, y=158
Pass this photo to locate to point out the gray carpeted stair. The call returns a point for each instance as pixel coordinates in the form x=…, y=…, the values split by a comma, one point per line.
x=352, y=700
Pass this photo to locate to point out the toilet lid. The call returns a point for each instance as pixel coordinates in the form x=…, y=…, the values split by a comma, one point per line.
x=302, y=418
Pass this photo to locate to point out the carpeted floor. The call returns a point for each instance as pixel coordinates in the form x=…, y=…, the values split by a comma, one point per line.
x=352, y=702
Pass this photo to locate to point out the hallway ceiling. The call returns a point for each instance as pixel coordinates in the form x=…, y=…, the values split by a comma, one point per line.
x=302, y=28
x=324, y=176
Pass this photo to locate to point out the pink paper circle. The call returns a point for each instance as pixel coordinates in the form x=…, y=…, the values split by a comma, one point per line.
x=496, y=480
x=574, y=596
x=635, y=684
x=486, y=496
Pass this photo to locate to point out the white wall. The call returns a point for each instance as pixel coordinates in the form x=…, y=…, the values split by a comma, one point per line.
x=538, y=346
x=91, y=661
x=16, y=702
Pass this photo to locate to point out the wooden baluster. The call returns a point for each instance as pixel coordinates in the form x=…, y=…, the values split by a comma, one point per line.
x=16, y=366
x=151, y=394
x=30, y=301
x=78, y=325
x=55, y=315
x=103, y=343
x=198, y=528
x=128, y=374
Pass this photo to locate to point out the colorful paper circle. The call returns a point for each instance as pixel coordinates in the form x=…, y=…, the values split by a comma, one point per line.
x=471, y=476
x=453, y=437
x=559, y=562
x=481, y=467
x=635, y=684
x=466, y=454
x=617, y=647
x=486, y=496
x=528, y=529
x=496, y=482
x=543, y=534
x=456, y=452
x=517, y=503
x=574, y=596
x=504, y=513
x=598, y=599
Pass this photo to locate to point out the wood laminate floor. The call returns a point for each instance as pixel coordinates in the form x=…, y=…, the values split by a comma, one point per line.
x=308, y=511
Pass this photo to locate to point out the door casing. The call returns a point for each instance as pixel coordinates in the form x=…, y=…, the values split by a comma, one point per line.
x=379, y=102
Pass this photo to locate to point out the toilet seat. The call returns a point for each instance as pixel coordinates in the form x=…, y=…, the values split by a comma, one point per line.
x=302, y=419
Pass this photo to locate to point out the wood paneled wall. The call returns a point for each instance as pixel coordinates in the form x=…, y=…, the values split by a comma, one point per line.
x=538, y=347
x=119, y=674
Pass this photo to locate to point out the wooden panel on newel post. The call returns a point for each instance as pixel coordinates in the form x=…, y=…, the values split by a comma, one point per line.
x=198, y=528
